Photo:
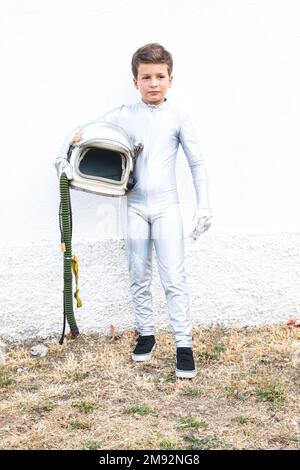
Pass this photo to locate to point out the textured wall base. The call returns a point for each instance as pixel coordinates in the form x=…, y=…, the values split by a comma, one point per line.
x=232, y=279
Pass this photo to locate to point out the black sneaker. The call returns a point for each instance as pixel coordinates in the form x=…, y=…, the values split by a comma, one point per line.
x=145, y=346
x=185, y=365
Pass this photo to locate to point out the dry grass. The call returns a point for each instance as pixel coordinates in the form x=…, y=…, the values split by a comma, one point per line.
x=88, y=394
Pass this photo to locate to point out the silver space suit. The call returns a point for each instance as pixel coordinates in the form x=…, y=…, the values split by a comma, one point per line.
x=153, y=209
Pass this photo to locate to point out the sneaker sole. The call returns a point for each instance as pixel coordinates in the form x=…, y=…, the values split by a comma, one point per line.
x=186, y=374
x=143, y=357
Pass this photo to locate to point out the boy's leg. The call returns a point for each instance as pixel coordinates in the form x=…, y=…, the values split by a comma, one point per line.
x=167, y=233
x=139, y=253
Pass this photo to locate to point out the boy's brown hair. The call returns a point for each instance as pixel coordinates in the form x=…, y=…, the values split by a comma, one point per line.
x=152, y=53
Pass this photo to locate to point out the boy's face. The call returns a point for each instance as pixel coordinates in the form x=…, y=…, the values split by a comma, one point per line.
x=153, y=82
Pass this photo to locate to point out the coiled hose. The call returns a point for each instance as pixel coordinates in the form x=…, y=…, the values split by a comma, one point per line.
x=65, y=223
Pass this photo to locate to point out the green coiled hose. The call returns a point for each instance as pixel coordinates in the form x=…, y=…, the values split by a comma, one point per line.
x=65, y=221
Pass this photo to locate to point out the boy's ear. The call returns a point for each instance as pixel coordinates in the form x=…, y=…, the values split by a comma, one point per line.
x=135, y=83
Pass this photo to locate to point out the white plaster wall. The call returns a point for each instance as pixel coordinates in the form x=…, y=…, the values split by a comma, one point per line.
x=236, y=68
x=233, y=279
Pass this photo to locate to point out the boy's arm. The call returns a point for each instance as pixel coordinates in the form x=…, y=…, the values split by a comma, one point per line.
x=189, y=141
x=190, y=145
x=61, y=163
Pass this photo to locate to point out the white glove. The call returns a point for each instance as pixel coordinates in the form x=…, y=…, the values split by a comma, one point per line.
x=64, y=167
x=201, y=222
x=61, y=163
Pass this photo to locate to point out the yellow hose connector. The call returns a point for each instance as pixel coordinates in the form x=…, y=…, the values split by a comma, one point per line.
x=75, y=272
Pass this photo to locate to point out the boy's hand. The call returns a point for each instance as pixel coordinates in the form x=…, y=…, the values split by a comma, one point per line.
x=201, y=221
x=76, y=138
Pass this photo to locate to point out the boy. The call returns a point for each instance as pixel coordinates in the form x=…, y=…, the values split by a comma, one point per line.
x=153, y=210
